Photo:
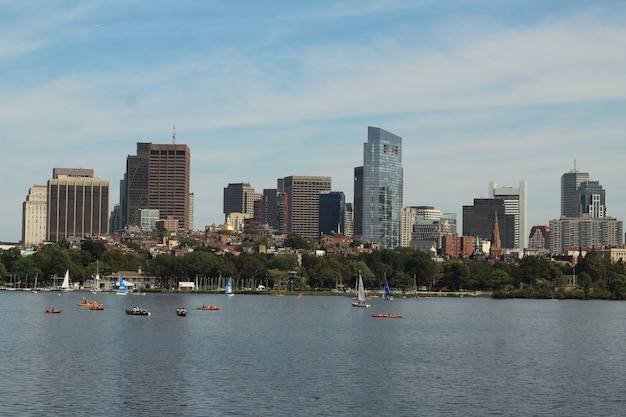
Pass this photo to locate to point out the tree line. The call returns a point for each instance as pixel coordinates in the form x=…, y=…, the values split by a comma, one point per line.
x=405, y=269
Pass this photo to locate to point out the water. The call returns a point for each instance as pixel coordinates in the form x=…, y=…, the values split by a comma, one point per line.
x=311, y=356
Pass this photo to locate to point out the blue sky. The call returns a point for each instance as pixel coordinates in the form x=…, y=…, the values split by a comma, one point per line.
x=480, y=91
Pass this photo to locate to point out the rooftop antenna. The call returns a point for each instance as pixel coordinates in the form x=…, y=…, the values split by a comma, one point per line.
x=174, y=134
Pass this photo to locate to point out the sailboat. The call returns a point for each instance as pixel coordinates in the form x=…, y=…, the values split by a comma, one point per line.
x=121, y=287
x=65, y=286
x=387, y=295
x=229, y=287
x=96, y=285
x=360, y=294
x=34, y=290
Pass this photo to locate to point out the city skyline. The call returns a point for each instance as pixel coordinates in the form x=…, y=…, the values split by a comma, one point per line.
x=259, y=92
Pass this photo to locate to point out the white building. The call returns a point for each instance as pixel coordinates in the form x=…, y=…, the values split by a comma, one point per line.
x=34, y=212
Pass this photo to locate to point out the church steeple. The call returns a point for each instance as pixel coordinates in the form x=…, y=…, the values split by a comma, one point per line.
x=496, y=244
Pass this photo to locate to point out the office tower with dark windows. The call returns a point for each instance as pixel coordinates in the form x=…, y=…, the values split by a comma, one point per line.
x=273, y=209
x=332, y=213
x=78, y=205
x=157, y=178
x=303, y=202
x=591, y=199
x=515, y=203
x=240, y=198
x=570, y=201
x=479, y=220
x=382, y=188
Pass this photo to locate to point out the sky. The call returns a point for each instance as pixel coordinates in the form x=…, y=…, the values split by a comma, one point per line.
x=479, y=91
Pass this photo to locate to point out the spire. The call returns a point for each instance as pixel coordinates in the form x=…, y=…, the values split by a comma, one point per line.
x=174, y=134
x=496, y=244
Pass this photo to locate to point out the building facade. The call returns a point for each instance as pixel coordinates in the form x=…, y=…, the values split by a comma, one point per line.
x=479, y=219
x=585, y=232
x=158, y=178
x=78, y=205
x=34, y=212
x=273, y=209
x=240, y=198
x=570, y=182
x=515, y=204
x=382, y=188
x=332, y=213
x=303, y=202
x=358, y=203
x=591, y=200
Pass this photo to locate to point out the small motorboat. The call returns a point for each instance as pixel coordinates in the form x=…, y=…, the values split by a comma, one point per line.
x=208, y=307
x=52, y=310
x=388, y=316
x=136, y=311
x=181, y=311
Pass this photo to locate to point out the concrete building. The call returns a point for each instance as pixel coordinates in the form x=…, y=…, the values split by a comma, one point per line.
x=585, y=232
x=34, y=212
x=303, y=202
x=382, y=188
x=78, y=205
x=515, y=204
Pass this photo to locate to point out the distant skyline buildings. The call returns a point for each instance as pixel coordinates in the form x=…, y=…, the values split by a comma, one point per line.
x=332, y=213
x=570, y=182
x=382, y=188
x=303, y=202
x=34, y=212
x=515, y=204
x=240, y=198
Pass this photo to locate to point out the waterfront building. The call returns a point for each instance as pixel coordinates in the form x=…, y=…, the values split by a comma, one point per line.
x=34, y=212
x=157, y=178
x=332, y=207
x=515, y=204
x=382, y=188
x=240, y=198
x=303, y=202
x=78, y=205
x=570, y=202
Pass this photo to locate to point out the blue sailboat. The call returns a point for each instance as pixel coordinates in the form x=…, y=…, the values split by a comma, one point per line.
x=121, y=287
x=229, y=287
x=387, y=295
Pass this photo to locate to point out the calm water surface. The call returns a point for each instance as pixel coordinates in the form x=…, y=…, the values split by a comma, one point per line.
x=310, y=356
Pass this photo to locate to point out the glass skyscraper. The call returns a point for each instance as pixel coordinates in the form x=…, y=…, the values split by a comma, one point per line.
x=382, y=188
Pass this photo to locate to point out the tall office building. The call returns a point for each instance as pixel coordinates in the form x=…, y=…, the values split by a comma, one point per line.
x=78, y=205
x=515, y=203
x=479, y=220
x=332, y=213
x=273, y=209
x=157, y=178
x=358, y=203
x=382, y=188
x=592, y=200
x=570, y=182
x=240, y=198
x=303, y=202
x=34, y=211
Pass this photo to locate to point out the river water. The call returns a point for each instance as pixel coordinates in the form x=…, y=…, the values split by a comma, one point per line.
x=310, y=356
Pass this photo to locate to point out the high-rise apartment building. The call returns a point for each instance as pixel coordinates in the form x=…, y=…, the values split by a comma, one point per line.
x=584, y=232
x=78, y=205
x=382, y=188
x=303, y=202
x=515, y=204
x=34, y=211
x=570, y=202
x=157, y=178
x=332, y=213
x=240, y=198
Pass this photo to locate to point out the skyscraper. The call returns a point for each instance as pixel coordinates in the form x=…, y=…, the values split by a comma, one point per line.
x=479, y=220
x=570, y=181
x=240, y=198
x=303, y=202
x=78, y=205
x=34, y=212
x=332, y=213
x=515, y=203
x=158, y=178
x=358, y=203
x=382, y=188
x=592, y=200
x=273, y=209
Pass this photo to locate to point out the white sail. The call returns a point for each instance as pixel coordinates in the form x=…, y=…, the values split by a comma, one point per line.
x=65, y=286
x=360, y=294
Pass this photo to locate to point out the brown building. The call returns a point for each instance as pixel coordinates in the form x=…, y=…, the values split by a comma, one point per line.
x=78, y=205
x=457, y=246
x=158, y=178
x=303, y=202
